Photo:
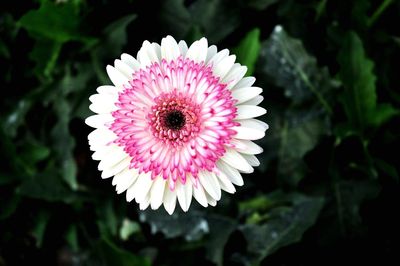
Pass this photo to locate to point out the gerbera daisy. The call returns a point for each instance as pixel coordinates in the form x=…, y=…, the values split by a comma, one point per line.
x=177, y=123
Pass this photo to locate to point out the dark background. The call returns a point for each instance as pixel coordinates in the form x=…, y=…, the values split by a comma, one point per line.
x=326, y=193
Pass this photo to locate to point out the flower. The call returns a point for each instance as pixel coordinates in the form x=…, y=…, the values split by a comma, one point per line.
x=177, y=123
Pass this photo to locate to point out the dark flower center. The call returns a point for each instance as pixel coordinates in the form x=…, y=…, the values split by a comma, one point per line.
x=174, y=120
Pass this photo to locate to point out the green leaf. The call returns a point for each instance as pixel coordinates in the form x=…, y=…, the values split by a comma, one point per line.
x=34, y=152
x=108, y=221
x=16, y=118
x=359, y=97
x=176, y=16
x=285, y=224
x=39, y=229
x=9, y=204
x=115, y=36
x=248, y=50
x=383, y=113
x=107, y=253
x=296, y=141
x=220, y=229
x=216, y=18
x=64, y=143
x=192, y=226
x=260, y=4
x=45, y=54
x=57, y=22
x=290, y=66
x=388, y=169
x=128, y=228
x=356, y=73
x=71, y=236
x=349, y=196
x=47, y=187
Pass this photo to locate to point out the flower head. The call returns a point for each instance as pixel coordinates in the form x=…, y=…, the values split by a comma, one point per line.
x=177, y=123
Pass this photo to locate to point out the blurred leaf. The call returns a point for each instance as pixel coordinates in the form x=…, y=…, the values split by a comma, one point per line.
x=359, y=97
x=9, y=204
x=383, y=113
x=258, y=203
x=248, y=50
x=46, y=187
x=176, y=16
x=115, y=37
x=108, y=221
x=349, y=195
x=286, y=225
x=217, y=18
x=192, y=226
x=59, y=23
x=220, y=229
x=45, y=54
x=260, y=4
x=388, y=169
x=320, y=8
x=34, y=152
x=71, y=236
x=39, y=229
x=107, y=253
x=16, y=117
x=296, y=141
x=292, y=68
x=359, y=12
x=64, y=143
x=4, y=51
x=128, y=228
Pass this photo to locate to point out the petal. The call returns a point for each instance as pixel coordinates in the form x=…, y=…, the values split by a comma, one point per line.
x=246, y=93
x=184, y=193
x=108, y=90
x=112, y=159
x=130, y=61
x=218, y=57
x=157, y=192
x=144, y=203
x=251, y=159
x=254, y=101
x=232, y=173
x=225, y=183
x=102, y=103
x=236, y=160
x=169, y=200
x=101, y=137
x=249, y=111
x=200, y=196
x=123, y=68
x=169, y=48
x=250, y=129
x=99, y=121
x=234, y=75
x=116, y=169
x=246, y=146
x=124, y=182
x=245, y=82
x=210, y=183
x=183, y=48
x=221, y=68
x=147, y=55
x=142, y=186
x=118, y=79
x=211, y=52
x=198, y=50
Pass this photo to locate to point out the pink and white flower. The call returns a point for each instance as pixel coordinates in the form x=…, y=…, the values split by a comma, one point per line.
x=177, y=123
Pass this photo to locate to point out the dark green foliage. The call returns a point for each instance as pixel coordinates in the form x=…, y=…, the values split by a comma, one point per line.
x=327, y=189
